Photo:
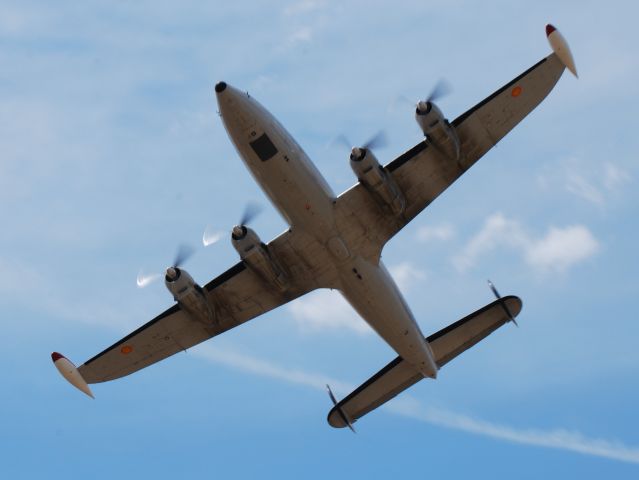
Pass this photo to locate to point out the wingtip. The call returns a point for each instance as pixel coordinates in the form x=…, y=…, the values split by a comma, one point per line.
x=560, y=47
x=70, y=373
x=55, y=356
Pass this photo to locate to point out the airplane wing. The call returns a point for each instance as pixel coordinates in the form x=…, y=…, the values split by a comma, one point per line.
x=423, y=173
x=238, y=295
x=398, y=375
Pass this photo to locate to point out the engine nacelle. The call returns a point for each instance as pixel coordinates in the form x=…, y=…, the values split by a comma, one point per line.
x=257, y=257
x=437, y=129
x=377, y=180
x=189, y=295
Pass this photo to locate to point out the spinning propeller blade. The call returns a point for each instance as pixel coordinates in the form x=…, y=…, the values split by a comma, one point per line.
x=441, y=89
x=339, y=410
x=378, y=140
x=502, y=303
x=251, y=211
x=343, y=141
x=184, y=252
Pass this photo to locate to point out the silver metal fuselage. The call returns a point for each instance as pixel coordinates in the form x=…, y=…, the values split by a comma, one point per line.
x=306, y=201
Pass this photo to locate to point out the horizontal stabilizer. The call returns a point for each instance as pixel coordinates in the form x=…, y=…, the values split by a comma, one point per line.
x=446, y=344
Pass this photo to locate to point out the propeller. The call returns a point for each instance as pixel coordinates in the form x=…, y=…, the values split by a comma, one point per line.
x=502, y=303
x=251, y=211
x=441, y=89
x=182, y=255
x=184, y=252
x=339, y=410
x=378, y=140
x=212, y=235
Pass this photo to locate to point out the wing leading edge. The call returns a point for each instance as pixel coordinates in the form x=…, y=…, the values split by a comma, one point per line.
x=424, y=172
x=238, y=295
x=446, y=344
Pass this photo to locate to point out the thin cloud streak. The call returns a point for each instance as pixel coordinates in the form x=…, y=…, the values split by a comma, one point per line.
x=557, y=251
x=409, y=407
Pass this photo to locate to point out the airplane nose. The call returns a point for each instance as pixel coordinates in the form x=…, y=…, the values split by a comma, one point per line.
x=220, y=87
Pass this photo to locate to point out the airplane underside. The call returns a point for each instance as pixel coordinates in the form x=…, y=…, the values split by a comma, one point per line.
x=303, y=197
x=335, y=241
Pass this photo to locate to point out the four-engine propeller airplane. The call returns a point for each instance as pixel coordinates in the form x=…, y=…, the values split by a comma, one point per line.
x=336, y=241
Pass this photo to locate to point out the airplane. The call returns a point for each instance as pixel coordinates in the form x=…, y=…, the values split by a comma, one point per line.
x=336, y=241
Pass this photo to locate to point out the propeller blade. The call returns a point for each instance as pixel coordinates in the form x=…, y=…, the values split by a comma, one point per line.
x=330, y=394
x=495, y=292
x=339, y=410
x=441, y=89
x=342, y=140
x=211, y=236
x=502, y=303
x=251, y=211
x=376, y=141
x=183, y=254
x=144, y=280
x=400, y=99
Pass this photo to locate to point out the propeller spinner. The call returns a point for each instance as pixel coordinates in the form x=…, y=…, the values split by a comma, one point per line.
x=378, y=140
x=184, y=252
x=441, y=89
x=251, y=211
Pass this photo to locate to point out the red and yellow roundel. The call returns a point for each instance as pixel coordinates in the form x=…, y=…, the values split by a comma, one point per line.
x=516, y=91
x=126, y=349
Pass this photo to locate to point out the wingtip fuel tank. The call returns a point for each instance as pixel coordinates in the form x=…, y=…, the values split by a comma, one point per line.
x=69, y=371
x=560, y=47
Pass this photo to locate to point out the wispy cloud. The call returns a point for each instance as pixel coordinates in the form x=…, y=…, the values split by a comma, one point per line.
x=302, y=7
x=406, y=274
x=614, y=177
x=264, y=368
x=595, y=183
x=578, y=185
x=561, y=439
x=439, y=232
x=326, y=310
x=497, y=231
x=305, y=19
x=560, y=249
x=557, y=251
x=301, y=34
x=409, y=407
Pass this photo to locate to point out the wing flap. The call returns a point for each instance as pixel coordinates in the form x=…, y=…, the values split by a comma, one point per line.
x=446, y=344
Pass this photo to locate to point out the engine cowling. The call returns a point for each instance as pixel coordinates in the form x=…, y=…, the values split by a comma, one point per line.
x=257, y=257
x=189, y=295
x=437, y=128
x=377, y=180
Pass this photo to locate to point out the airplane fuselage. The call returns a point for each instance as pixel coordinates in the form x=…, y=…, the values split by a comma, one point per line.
x=306, y=201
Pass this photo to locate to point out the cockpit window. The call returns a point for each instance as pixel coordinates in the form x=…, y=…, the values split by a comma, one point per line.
x=264, y=148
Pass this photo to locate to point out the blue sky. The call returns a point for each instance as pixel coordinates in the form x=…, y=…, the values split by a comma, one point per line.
x=111, y=154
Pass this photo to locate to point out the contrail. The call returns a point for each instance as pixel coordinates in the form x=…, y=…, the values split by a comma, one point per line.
x=407, y=406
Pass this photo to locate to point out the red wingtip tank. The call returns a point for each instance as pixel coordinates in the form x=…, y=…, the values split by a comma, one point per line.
x=69, y=371
x=560, y=47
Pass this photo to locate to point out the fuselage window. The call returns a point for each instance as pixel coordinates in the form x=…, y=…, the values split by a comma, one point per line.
x=264, y=148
